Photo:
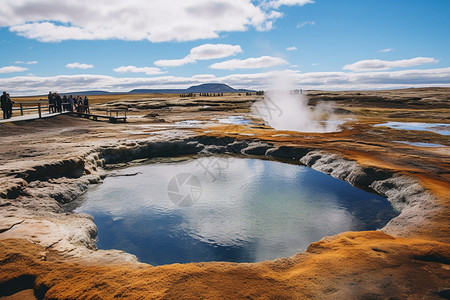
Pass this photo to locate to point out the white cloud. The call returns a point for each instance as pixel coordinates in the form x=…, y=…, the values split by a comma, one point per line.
x=250, y=63
x=291, y=48
x=386, y=50
x=314, y=64
x=202, y=52
x=76, y=65
x=33, y=85
x=278, y=3
x=155, y=21
x=214, y=51
x=379, y=65
x=204, y=77
x=12, y=69
x=133, y=69
x=49, y=32
x=303, y=24
x=173, y=62
x=26, y=62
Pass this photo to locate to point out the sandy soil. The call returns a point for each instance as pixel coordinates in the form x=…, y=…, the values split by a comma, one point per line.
x=47, y=253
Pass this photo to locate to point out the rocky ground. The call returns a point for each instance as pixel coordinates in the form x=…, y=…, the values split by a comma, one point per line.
x=48, y=253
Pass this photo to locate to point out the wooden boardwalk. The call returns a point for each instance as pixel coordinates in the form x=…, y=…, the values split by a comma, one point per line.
x=112, y=115
x=30, y=117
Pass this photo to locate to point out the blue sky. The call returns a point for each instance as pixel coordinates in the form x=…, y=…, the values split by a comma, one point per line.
x=119, y=45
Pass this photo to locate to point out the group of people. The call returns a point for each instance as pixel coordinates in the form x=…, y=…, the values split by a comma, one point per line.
x=56, y=103
x=7, y=105
x=201, y=95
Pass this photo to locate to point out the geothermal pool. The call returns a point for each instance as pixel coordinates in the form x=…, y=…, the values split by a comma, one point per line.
x=225, y=209
x=440, y=128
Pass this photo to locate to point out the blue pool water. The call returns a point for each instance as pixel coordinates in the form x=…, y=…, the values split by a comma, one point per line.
x=421, y=144
x=225, y=209
x=440, y=128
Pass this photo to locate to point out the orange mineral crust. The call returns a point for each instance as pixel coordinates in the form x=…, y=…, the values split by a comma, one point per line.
x=48, y=253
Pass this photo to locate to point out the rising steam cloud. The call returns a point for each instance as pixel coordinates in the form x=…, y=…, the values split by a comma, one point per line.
x=284, y=110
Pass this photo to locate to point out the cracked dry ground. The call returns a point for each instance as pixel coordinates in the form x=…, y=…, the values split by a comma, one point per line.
x=47, y=253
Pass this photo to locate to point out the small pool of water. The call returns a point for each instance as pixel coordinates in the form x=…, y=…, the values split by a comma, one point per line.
x=189, y=122
x=225, y=209
x=235, y=120
x=421, y=144
x=440, y=128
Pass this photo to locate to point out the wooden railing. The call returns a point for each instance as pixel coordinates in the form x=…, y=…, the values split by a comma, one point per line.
x=37, y=106
x=25, y=106
x=113, y=115
x=117, y=111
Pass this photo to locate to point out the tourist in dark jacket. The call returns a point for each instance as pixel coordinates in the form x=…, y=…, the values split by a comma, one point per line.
x=4, y=105
x=64, y=103
x=79, y=104
x=86, y=105
x=9, y=106
x=71, y=104
x=51, y=102
x=58, y=102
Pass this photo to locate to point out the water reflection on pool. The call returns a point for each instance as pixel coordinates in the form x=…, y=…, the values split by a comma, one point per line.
x=421, y=144
x=441, y=128
x=244, y=210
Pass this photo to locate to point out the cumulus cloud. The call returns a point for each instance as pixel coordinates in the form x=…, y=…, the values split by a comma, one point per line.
x=250, y=63
x=303, y=24
x=278, y=3
x=202, y=52
x=291, y=48
x=386, y=50
x=12, y=69
x=18, y=62
x=377, y=64
x=76, y=65
x=134, y=69
x=34, y=85
x=174, y=62
x=214, y=51
x=155, y=21
x=204, y=77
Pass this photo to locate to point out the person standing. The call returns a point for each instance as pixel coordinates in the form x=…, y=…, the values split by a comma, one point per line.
x=58, y=101
x=79, y=104
x=86, y=105
x=4, y=105
x=9, y=106
x=70, y=103
x=64, y=103
x=50, y=102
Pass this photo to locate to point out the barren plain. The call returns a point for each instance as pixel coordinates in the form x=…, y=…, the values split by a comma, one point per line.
x=48, y=253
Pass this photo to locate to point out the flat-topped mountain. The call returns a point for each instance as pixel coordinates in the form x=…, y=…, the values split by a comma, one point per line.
x=202, y=88
x=215, y=88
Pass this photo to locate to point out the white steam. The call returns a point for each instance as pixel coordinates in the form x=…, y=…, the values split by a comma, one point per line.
x=287, y=110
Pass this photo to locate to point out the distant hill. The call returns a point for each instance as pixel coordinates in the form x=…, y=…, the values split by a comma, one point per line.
x=156, y=91
x=202, y=88
x=88, y=93
x=214, y=88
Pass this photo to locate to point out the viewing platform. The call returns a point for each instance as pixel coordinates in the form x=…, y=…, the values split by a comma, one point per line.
x=40, y=112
